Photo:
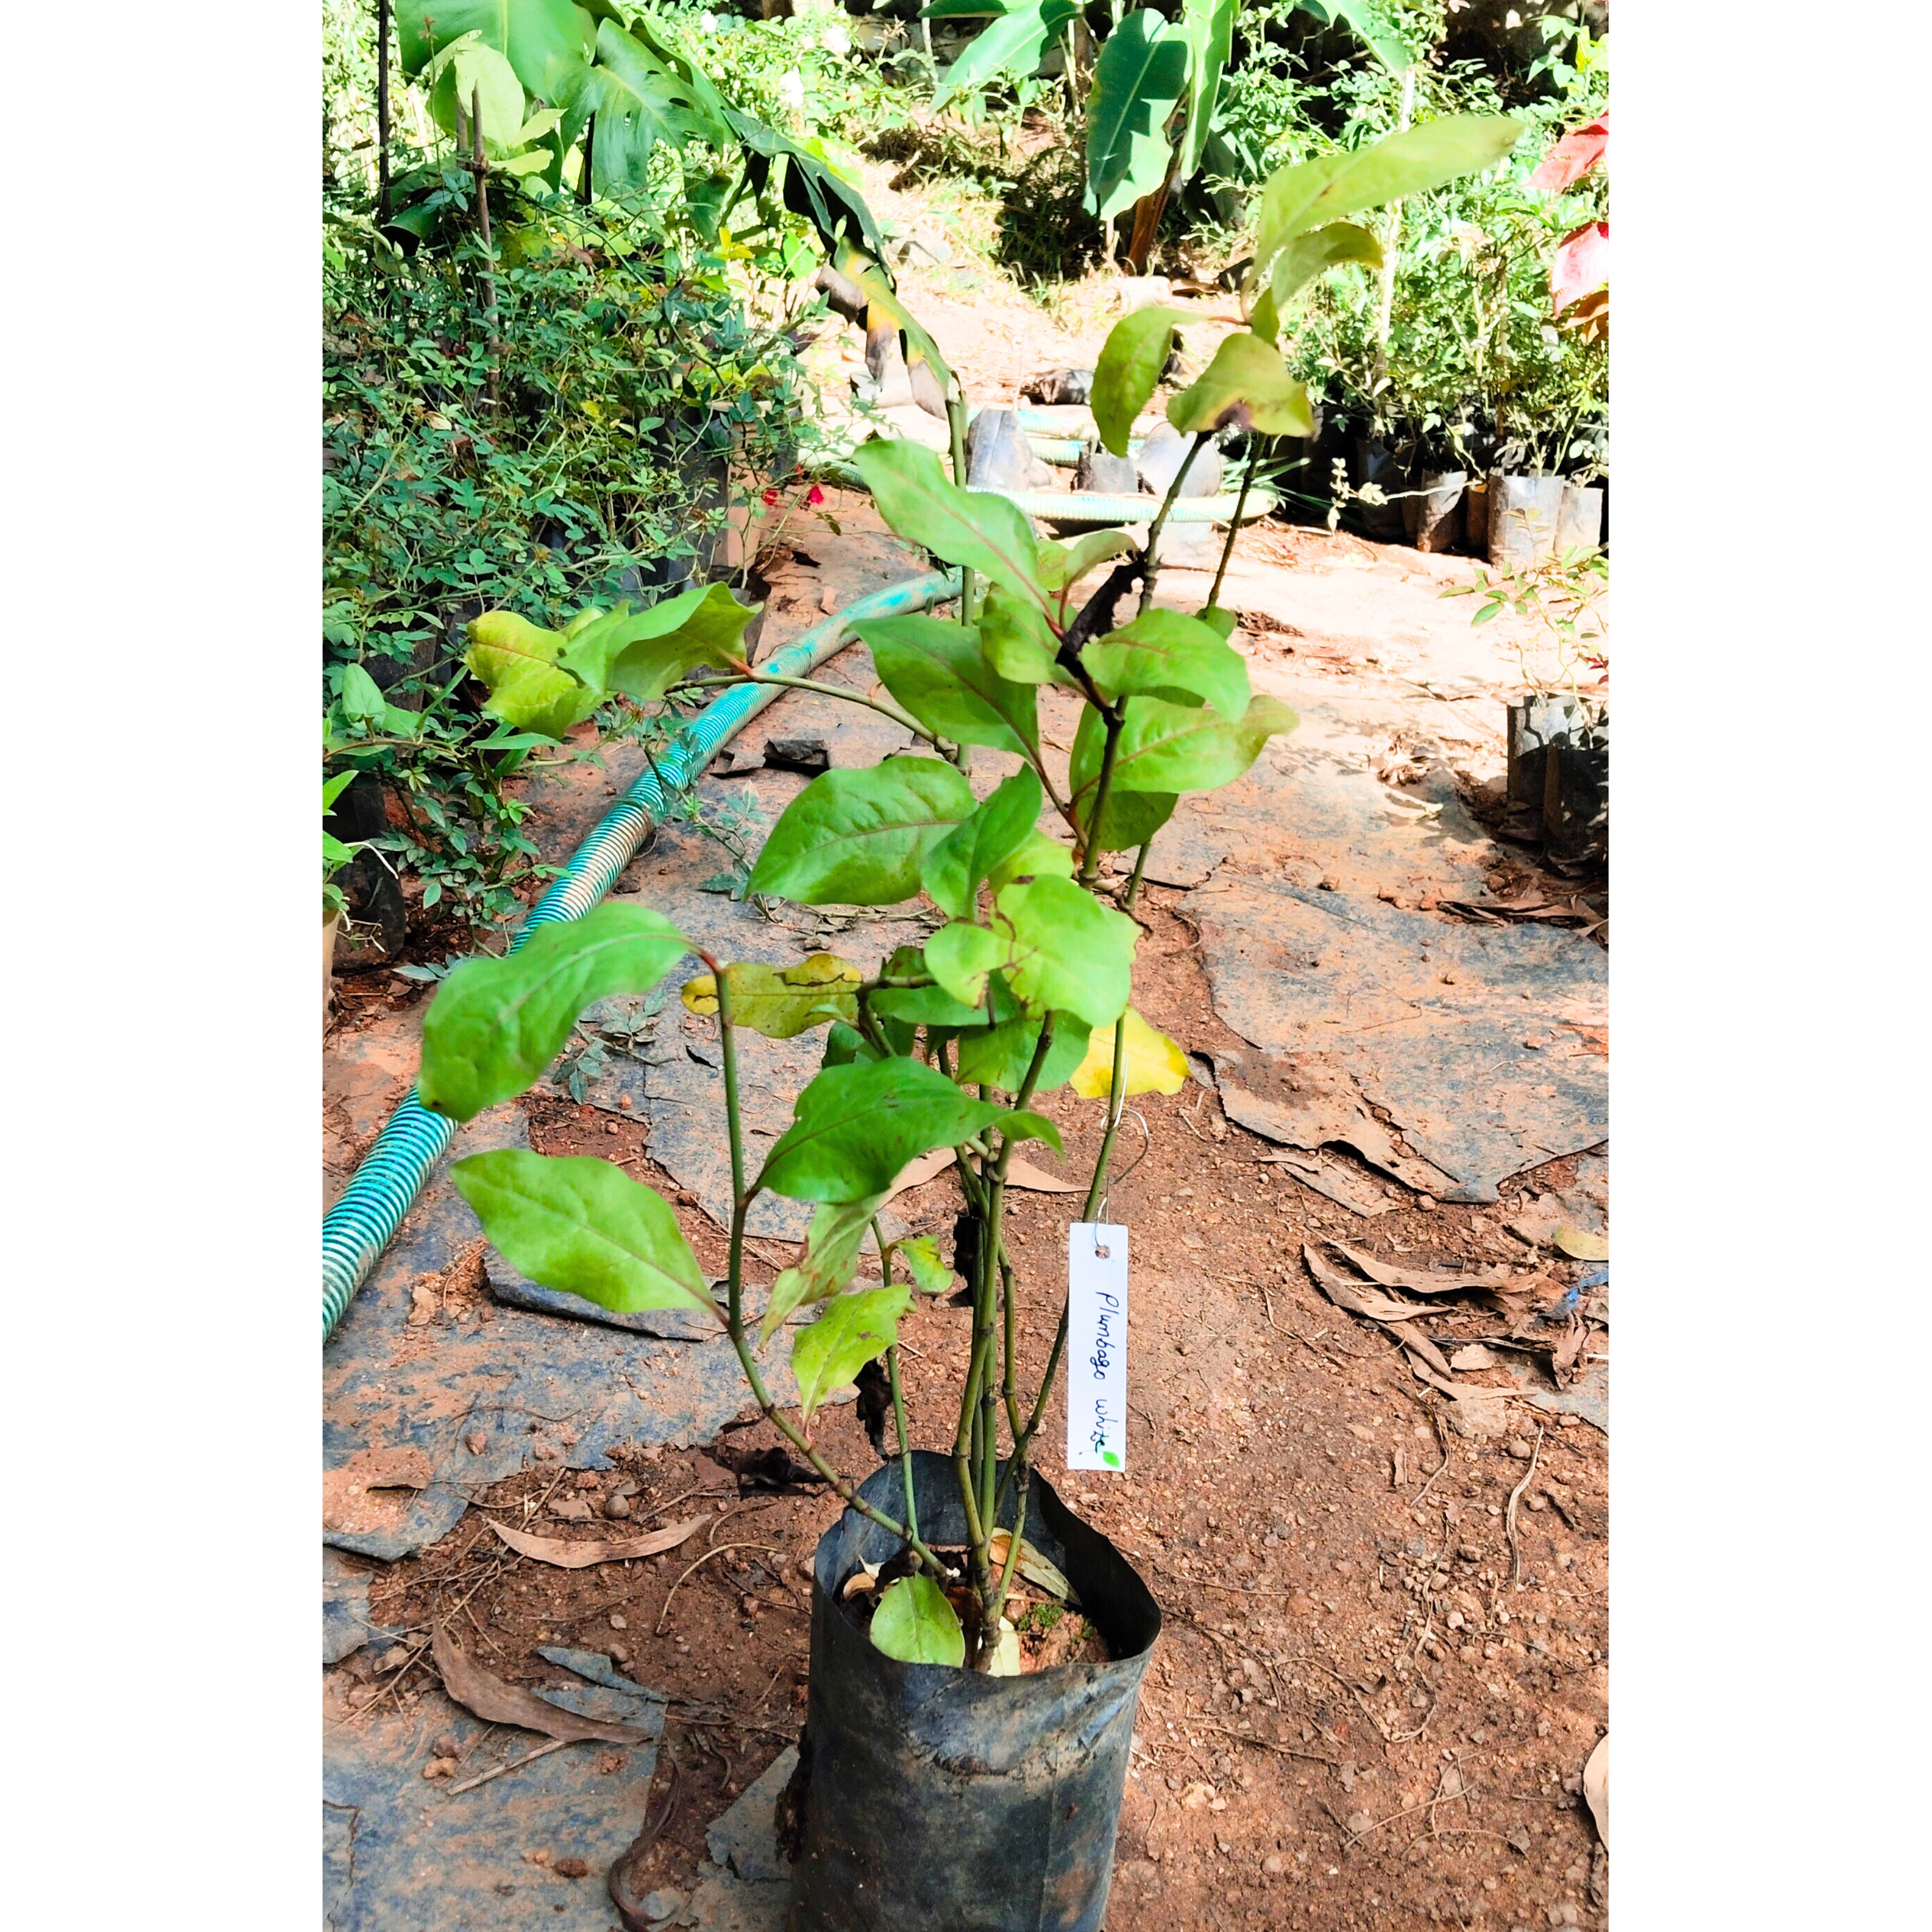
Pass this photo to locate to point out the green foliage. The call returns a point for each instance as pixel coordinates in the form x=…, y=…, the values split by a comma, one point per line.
x=855, y=1127
x=1128, y=368
x=1166, y=655
x=497, y=1024
x=831, y=1257
x=860, y=838
x=954, y=869
x=1138, y=80
x=915, y=1624
x=584, y=1227
x=856, y=1329
x=1246, y=386
x=938, y=672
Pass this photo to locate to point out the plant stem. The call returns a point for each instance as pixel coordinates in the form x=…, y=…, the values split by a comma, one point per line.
x=955, y=422
x=993, y=1609
x=741, y=1198
x=892, y=711
x=905, y=1442
x=1134, y=884
x=383, y=113
x=482, y=168
x=1152, y=572
x=1117, y=1101
x=1090, y=856
x=1234, y=528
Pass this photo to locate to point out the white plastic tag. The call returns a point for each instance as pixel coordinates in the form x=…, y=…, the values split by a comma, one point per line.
x=1097, y=1346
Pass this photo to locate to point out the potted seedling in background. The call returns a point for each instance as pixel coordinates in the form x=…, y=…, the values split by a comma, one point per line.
x=940, y=1781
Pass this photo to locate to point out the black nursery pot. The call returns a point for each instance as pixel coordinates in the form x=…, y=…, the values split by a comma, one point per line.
x=948, y=1801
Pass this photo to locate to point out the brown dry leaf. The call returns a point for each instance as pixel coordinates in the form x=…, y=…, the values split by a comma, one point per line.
x=1597, y=1787
x=1423, y=1281
x=1412, y=1339
x=1563, y=1357
x=1024, y=1174
x=1580, y=1246
x=917, y=1173
x=581, y=1556
x=1357, y=1299
x=496, y=1702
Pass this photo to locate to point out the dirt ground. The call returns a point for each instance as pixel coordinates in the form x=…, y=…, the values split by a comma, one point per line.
x=1364, y=1710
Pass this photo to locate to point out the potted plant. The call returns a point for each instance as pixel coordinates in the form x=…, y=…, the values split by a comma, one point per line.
x=335, y=854
x=939, y=1781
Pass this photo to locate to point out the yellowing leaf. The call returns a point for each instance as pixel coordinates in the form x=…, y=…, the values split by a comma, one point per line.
x=1032, y=1565
x=780, y=1002
x=1154, y=1064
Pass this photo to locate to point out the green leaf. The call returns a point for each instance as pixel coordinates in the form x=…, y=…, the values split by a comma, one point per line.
x=1132, y=818
x=1069, y=952
x=1016, y=639
x=1166, y=748
x=915, y=1624
x=642, y=653
x=517, y=663
x=782, y=1002
x=813, y=191
x=1208, y=26
x=855, y=1129
x=1137, y=81
x=639, y=103
x=999, y=1056
x=832, y=1245
x=845, y=1044
x=938, y=672
x=495, y=1024
x=1163, y=654
x=1247, y=385
x=1038, y=857
x=860, y=838
x=856, y=1329
x=1308, y=196
x=583, y=1227
x=333, y=788
x=1376, y=24
x=923, y=505
x=1062, y=565
x=470, y=72
x=362, y=700
x=960, y=956
x=1013, y=45
x=931, y=1272
x=1308, y=256
x=954, y=867
x=1023, y=1124
x=541, y=39
x=1128, y=371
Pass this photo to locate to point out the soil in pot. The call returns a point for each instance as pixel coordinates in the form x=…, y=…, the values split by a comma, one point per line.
x=932, y=1796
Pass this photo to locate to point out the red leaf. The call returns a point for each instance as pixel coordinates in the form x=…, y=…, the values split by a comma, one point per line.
x=1582, y=264
x=1574, y=156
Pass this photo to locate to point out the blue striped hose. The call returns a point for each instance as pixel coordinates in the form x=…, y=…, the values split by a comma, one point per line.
x=363, y=1223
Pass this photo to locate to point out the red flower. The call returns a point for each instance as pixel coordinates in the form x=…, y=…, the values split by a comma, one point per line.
x=814, y=496
x=771, y=499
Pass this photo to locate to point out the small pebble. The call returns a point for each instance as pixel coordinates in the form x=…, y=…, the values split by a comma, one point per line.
x=616, y=1508
x=1274, y=1864
x=546, y=1452
x=1469, y=1552
x=440, y=1767
x=1519, y=1839
x=476, y=1442
x=666, y=1904
x=571, y=1867
x=624, y=1102
x=1359, y=1821
x=617, y=1621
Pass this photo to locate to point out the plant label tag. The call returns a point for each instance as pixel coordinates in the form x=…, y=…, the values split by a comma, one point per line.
x=1097, y=1346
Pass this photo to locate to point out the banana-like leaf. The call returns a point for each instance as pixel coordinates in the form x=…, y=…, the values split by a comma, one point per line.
x=1208, y=27
x=1374, y=22
x=1138, y=80
x=1300, y=199
x=1013, y=45
x=1247, y=384
x=883, y=309
x=541, y=39
x=812, y=191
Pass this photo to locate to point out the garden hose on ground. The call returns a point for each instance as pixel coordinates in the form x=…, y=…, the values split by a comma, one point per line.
x=363, y=1223
x=1089, y=506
